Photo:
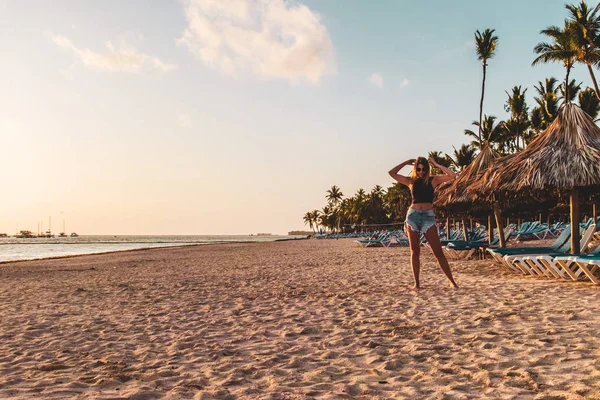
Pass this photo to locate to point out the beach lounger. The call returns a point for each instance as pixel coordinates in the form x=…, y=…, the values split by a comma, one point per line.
x=462, y=250
x=398, y=239
x=569, y=266
x=533, y=230
x=560, y=245
x=590, y=266
x=542, y=264
x=383, y=240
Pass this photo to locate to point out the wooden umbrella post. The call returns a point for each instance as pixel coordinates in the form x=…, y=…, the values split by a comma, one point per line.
x=490, y=229
x=498, y=215
x=464, y=227
x=575, y=248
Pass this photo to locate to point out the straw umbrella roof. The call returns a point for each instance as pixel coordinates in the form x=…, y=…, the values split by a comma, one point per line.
x=458, y=191
x=565, y=156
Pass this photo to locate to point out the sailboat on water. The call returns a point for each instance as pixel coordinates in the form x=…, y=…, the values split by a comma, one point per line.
x=48, y=233
x=64, y=231
x=63, y=234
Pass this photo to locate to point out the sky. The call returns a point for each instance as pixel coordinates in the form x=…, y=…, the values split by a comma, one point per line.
x=200, y=117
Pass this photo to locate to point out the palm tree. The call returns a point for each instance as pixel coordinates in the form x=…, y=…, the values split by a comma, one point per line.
x=572, y=90
x=358, y=209
x=377, y=190
x=513, y=130
x=587, y=33
x=344, y=212
x=325, y=218
x=485, y=47
x=588, y=101
x=334, y=195
x=548, y=102
x=563, y=49
x=490, y=131
x=308, y=220
x=316, y=217
x=373, y=211
x=517, y=107
x=463, y=156
x=537, y=120
x=439, y=158
x=361, y=194
x=396, y=201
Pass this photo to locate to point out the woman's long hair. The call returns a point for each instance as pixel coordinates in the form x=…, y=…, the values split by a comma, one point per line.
x=422, y=161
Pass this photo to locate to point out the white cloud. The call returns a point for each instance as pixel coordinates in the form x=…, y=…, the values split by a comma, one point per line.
x=376, y=79
x=184, y=120
x=404, y=83
x=125, y=58
x=271, y=39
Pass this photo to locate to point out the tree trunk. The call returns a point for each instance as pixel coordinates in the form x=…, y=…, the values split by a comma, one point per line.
x=498, y=215
x=567, y=99
x=481, y=102
x=518, y=123
x=596, y=90
x=575, y=222
x=490, y=229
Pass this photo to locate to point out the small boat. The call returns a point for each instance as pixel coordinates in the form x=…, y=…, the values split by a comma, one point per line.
x=25, y=234
x=47, y=234
x=63, y=234
x=73, y=234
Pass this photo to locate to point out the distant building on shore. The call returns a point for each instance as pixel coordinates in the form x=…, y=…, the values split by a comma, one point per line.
x=300, y=233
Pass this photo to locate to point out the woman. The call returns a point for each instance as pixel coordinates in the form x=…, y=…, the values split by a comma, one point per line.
x=420, y=217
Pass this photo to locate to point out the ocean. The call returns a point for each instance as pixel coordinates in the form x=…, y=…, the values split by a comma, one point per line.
x=12, y=249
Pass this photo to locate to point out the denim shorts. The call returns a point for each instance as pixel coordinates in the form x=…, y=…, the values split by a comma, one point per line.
x=420, y=221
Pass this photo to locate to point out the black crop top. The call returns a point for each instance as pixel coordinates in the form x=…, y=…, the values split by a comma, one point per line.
x=421, y=191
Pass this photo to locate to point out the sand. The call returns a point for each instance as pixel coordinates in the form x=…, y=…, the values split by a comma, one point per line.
x=291, y=320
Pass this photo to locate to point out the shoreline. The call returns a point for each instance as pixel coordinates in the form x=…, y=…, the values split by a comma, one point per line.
x=100, y=253
x=126, y=250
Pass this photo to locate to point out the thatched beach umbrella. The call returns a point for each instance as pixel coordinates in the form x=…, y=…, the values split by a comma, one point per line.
x=566, y=157
x=458, y=192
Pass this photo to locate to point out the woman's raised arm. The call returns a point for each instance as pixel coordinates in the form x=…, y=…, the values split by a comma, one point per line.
x=401, y=178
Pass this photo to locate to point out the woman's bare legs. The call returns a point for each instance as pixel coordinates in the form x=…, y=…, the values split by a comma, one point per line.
x=434, y=241
x=414, y=238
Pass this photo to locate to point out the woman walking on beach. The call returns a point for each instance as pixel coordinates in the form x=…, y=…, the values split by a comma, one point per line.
x=420, y=217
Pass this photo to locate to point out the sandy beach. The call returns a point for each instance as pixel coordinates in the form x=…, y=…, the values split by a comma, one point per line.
x=291, y=320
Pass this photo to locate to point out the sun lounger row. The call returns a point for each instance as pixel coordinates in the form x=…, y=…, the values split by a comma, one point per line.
x=555, y=261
